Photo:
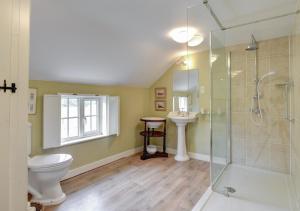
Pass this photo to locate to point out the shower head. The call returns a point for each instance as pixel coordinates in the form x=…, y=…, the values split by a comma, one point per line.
x=267, y=75
x=253, y=44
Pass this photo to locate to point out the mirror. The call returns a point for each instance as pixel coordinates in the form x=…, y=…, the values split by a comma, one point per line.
x=185, y=91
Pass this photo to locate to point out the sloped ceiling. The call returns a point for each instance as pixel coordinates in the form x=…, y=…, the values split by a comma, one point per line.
x=126, y=42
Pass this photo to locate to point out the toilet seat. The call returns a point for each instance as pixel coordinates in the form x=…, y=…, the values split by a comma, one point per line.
x=49, y=161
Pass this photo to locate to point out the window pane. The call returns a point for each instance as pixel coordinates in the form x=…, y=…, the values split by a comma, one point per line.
x=103, y=114
x=73, y=108
x=94, y=123
x=87, y=124
x=64, y=107
x=94, y=107
x=73, y=127
x=87, y=108
x=64, y=128
x=183, y=106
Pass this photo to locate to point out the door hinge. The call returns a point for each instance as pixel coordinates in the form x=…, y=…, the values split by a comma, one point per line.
x=12, y=88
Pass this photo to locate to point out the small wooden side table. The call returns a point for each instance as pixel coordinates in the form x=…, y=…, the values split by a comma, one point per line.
x=147, y=133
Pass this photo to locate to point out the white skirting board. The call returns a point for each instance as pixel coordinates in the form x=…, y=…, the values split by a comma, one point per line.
x=198, y=156
x=193, y=155
x=102, y=162
x=107, y=160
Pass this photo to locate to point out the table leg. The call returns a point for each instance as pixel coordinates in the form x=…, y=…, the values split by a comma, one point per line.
x=144, y=155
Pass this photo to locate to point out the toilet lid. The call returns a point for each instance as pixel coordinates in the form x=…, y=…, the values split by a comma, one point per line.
x=44, y=161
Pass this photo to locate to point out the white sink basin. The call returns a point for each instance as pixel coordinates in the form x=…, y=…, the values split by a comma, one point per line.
x=181, y=119
x=153, y=124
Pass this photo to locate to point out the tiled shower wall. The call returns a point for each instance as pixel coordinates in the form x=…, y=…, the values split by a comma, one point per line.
x=260, y=143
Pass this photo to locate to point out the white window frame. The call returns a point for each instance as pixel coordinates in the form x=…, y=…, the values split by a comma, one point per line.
x=177, y=103
x=85, y=136
x=183, y=103
x=63, y=140
x=98, y=117
x=109, y=119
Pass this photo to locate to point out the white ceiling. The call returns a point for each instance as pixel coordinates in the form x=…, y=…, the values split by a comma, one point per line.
x=126, y=42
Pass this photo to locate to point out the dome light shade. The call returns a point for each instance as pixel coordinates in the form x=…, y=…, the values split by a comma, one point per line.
x=213, y=58
x=195, y=41
x=183, y=34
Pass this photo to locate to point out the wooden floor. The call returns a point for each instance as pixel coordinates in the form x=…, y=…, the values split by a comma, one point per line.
x=131, y=184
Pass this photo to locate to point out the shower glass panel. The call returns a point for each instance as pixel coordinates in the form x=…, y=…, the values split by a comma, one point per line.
x=217, y=92
x=251, y=118
x=220, y=106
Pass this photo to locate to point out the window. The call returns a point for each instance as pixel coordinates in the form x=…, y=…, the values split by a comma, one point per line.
x=183, y=104
x=81, y=117
x=72, y=118
x=90, y=116
x=180, y=103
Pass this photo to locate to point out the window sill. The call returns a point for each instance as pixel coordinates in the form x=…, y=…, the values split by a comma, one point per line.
x=82, y=140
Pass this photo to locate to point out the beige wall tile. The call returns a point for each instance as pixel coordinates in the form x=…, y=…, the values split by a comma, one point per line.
x=258, y=155
x=238, y=122
x=255, y=141
x=279, y=47
x=238, y=151
x=280, y=155
x=280, y=132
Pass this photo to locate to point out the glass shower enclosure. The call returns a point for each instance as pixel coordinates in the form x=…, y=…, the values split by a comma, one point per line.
x=250, y=110
x=219, y=89
x=220, y=106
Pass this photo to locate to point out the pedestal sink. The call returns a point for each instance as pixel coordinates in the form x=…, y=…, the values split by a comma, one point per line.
x=181, y=119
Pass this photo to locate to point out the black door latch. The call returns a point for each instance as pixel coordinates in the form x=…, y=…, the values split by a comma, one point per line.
x=12, y=88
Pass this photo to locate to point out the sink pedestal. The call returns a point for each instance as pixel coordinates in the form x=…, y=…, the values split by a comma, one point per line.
x=181, y=154
x=181, y=120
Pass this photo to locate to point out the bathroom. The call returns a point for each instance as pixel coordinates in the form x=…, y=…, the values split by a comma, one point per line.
x=202, y=114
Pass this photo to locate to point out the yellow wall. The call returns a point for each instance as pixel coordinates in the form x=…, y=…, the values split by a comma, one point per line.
x=198, y=132
x=134, y=102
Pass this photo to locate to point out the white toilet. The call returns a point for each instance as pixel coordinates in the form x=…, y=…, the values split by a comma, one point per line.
x=44, y=174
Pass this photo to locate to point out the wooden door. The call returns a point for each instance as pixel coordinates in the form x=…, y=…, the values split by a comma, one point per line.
x=14, y=59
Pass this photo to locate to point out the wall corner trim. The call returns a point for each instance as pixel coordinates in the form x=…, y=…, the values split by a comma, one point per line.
x=102, y=162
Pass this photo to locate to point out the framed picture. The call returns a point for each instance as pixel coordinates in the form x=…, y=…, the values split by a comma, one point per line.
x=32, y=101
x=160, y=93
x=160, y=105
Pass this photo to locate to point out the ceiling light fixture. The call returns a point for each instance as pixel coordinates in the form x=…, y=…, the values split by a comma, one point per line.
x=195, y=41
x=183, y=34
x=188, y=63
x=213, y=58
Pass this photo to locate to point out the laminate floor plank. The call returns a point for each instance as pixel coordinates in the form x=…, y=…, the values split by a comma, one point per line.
x=130, y=184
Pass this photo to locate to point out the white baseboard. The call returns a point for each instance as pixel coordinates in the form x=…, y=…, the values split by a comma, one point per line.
x=196, y=156
x=102, y=162
x=107, y=160
x=200, y=156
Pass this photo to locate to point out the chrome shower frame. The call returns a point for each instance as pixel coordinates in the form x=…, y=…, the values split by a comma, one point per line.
x=228, y=117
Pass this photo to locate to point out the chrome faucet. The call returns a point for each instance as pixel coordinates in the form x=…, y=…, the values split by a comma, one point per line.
x=181, y=112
